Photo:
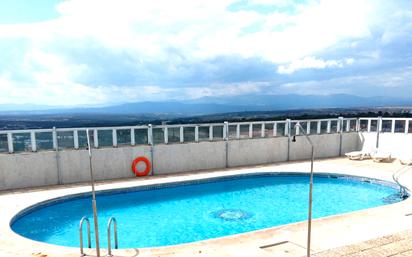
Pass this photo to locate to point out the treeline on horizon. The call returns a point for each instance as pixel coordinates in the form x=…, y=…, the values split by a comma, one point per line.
x=267, y=116
x=101, y=120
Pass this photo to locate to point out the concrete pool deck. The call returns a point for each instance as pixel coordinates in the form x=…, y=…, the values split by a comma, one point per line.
x=390, y=225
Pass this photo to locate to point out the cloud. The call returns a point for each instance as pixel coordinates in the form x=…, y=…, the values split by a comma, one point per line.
x=313, y=63
x=118, y=51
x=203, y=29
x=218, y=90
x=388, y=83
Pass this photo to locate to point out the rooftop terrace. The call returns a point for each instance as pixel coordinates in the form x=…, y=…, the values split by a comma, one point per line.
x=38, y=164
x=338, y=235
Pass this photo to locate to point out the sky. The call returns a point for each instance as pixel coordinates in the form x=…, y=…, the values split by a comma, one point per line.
x=102, y=52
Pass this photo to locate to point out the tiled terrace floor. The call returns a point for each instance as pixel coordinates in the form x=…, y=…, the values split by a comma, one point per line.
x=395, y=245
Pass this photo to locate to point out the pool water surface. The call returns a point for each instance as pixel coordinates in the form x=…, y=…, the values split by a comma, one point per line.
x=175, y=214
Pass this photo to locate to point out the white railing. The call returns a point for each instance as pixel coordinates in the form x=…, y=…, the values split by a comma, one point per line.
x=75, y=138
x=390, y=125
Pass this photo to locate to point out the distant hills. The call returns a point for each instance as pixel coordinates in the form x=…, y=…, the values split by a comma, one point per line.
x=294, y=101
x=215, y=105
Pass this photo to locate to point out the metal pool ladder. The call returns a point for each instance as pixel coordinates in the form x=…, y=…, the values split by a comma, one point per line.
x=116, y=243
x=89, y=244
x=402, y=189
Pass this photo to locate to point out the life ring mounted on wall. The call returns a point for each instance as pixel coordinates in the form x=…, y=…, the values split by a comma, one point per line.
x=146, y=171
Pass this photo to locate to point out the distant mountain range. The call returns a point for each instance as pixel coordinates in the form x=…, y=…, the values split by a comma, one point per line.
x=212, y=105
x=294, y=101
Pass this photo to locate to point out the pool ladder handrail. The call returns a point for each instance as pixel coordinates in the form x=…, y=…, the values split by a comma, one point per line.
x=89, y=244
x=116, y=243
x=395, y=176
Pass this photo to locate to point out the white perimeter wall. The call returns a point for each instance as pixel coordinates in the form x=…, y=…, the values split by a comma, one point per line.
x=20, y=170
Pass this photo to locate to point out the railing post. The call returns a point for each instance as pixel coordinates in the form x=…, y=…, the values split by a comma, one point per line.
x=210, y=133
x=10, y=142
x=287, y=127
x=308, y=127
x=348, y=125
x=358, y=125
x=150, y=134
x=297, y=129
x=369, y=125
x=33, y=141
x=339, y=127
x=328, y=127
x=150, y=142
x=226, y=138
x=378, y=132
x=250, y=130
x=238, y=131
x=197, y=133
x=275, y=129
x=262, y=133
x=319, y=127
x=393, y=126
x=54, y=136
x=56, y=148
x=114, y=137
x=406, y=126
x=287, y=132
x=95, y=138
x=340, y=131
x=76, y=139
x=132, y=137
x=380, y=123
x=181, y=135
x=166, y=134
x=226, y=130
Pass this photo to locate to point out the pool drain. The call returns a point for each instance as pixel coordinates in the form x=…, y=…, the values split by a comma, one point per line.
x=231, y=214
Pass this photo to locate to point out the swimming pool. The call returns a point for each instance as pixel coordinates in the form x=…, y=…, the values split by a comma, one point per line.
x=172, y=214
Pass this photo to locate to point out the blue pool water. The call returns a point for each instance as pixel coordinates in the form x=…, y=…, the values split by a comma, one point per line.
x=186, y=213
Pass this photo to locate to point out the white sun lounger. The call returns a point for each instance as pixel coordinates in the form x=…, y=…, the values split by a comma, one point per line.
x=358, y=155
x=380, y=156
x=405, y=160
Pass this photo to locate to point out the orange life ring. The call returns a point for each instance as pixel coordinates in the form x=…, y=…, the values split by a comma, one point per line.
x=146, y=171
